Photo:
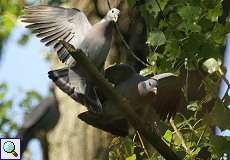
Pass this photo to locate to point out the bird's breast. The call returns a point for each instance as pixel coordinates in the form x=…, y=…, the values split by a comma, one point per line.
x=97, y=43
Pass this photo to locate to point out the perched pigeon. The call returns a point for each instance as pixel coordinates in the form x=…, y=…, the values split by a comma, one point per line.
x=161, y=93
x=43, y=118
x=70, y=24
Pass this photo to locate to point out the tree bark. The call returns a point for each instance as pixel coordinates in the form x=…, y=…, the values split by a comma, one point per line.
x=71, y=138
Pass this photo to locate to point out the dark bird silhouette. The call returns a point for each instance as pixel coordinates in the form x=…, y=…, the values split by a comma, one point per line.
x=42, y=119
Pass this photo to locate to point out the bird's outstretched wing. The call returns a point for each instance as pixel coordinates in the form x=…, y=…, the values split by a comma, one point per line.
x=54, y=23
x=119, y=73
x=169, y=95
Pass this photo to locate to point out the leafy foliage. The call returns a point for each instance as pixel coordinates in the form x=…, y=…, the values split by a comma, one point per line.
x=187, y=38
x=7, y=123
x=9, y=11
x=183, y=37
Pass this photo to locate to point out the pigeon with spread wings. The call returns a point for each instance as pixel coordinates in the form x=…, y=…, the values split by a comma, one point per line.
x=70, y=24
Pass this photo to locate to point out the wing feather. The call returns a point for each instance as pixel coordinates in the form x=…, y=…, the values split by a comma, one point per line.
x=54, y=23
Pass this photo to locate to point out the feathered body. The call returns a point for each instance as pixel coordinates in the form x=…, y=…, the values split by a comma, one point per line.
x=54, y=23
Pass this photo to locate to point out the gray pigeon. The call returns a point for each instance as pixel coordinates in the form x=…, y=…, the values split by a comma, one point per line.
x=42, y=119
x=160, y=93
x=70, y=24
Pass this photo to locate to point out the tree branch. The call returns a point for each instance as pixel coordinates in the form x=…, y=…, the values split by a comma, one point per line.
x=179, y=136
x=122, y=103
x=227, y=83
x=126, y=44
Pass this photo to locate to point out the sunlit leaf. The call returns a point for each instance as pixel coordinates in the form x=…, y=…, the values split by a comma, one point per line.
x=4, y=106
x=193, y=106
x=23, y=40
x=156, y=38
x=3, y=90
x=133, y=157
x=211, y=65
x=168, y=136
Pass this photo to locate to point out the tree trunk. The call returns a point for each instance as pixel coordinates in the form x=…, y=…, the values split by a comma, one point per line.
x=72, y=138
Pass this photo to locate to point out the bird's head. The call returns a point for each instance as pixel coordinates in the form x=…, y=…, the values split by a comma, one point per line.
x=113, y=14
x=148, y=86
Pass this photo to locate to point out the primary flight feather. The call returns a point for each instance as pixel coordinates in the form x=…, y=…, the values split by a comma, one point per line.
x=51, y=24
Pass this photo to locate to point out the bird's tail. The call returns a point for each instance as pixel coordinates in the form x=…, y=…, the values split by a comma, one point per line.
x=25, y=136
x=119, y=127
x=61, y=78
x=73, y=82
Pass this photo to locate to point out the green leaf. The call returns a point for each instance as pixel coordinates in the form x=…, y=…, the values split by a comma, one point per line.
x=210, y=4
x=3, y=90
x=189, y=13
x=221, y=115
x=193, y=106
x=168, y=136
x=211, y=65
x=115, y=141
x=9, y=20
x=220, y=145
x=156, y=38
x=133, y=157
x=214, y=13
x=153, y=8
x=219, y=33
x=129, y=146
x=24, y=39
x=31, y=99
x=4, y=106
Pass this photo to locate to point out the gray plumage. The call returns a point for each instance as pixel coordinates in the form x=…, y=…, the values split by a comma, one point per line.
x=54, y=23
x=43, y=118
x=161, y=93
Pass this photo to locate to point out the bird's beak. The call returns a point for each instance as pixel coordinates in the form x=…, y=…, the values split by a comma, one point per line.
x=115, y=18
x=154, y=90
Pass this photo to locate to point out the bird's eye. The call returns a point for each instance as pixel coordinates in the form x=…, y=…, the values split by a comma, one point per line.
x=112, y=11
x=150, y=83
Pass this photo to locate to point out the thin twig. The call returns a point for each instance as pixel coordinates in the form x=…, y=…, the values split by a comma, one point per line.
x=202, y=134
x=209, y=86
x=128, y=47
x=227, y=83
x=108, y=2
x=161, y=11
x=134, y=137
x=225, y=95
x=143, y=145
x=126, y=44
x=179, y=136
